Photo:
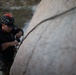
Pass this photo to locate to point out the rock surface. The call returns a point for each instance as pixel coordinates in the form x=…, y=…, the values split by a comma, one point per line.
x=50, y=49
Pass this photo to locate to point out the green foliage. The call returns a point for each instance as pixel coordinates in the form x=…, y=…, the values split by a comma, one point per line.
x=18, y=2
x=21, y=16
x=32, y=2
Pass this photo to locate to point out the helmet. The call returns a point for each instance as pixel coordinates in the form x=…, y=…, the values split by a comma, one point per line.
x=7, y=19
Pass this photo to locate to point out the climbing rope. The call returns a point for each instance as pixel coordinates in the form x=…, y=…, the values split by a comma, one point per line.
x=50, y=18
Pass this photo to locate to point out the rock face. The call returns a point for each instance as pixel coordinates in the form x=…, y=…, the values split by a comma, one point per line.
x=50, y=49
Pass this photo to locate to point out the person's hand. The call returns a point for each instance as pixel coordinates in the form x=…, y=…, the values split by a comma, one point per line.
x=7, y=44
x=19, y=34
x=14, y=43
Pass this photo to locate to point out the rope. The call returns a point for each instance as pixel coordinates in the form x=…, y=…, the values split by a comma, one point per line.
x=50, y=18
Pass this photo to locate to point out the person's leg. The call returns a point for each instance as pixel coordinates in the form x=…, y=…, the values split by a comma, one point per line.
x=5, y=73
x=7, y=67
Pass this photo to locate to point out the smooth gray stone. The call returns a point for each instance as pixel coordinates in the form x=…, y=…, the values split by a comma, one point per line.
x=50, y=49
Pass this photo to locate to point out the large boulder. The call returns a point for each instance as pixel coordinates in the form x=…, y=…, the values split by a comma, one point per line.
x=50, y=49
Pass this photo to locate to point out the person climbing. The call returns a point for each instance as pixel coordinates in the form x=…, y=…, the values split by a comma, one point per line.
x=7, y=42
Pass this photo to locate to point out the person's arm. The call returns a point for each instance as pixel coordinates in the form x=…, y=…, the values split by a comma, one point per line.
x=0, y=48
x=7, y=44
